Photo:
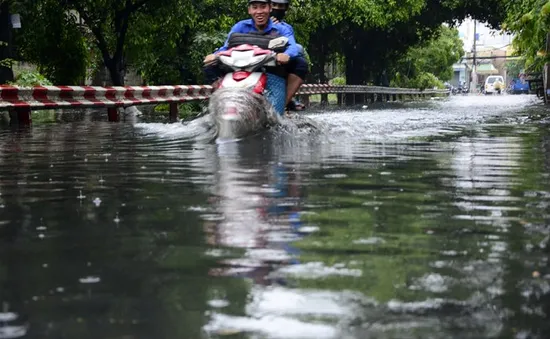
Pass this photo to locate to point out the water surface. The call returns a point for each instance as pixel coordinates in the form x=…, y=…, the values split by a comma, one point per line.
x=417, y=220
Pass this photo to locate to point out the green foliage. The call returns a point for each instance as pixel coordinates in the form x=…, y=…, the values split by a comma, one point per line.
x=529, y=20
x=515, y=67
x=8, y=62
x=426, y=65
x=185, y=109
x=169, y=45
x=52, y=39
x=422, y=80
x=29, y=79
x=166, y=40
x=427, y=80
x=436, y=56
x=338, y=81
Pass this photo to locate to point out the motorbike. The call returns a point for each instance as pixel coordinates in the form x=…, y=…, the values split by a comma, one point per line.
x=251, y=95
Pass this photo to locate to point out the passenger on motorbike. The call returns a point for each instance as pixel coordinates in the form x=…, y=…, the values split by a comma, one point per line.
x=297, y=66
x=260, y=10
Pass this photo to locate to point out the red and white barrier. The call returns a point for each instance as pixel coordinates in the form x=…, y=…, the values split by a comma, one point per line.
x=45, y=97
x=25, y=99
x=41, y=97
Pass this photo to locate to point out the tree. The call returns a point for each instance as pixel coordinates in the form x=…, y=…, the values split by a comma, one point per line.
x=169, y=44
x=6, y=73
x=434, y=57
x=372, y=35
x=52, y=39
x=109, y=22
x=529, y=20
x=165, y=40
x=515, y=67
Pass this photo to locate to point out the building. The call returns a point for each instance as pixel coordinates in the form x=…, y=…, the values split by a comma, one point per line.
x=490, y=45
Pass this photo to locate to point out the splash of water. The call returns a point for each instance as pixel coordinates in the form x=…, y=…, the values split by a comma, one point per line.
x=239, y=113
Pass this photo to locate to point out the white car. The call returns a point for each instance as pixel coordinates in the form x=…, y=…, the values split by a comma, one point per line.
x=494, y=84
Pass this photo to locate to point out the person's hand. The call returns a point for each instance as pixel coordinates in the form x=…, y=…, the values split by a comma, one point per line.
x=274, y=19
x=282, y=58
x=209, y=59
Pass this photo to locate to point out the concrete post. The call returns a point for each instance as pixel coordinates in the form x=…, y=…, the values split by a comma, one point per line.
x=112, y=114
x=174, y=114
x=545, y=83
x=20, y=116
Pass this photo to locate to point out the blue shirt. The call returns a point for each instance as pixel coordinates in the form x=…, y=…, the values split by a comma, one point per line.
x=290, y=28
x=248, y=26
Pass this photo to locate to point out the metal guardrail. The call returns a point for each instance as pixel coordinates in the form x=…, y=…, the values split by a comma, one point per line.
x=45, y=97
x=25, y=99
x=360, y=89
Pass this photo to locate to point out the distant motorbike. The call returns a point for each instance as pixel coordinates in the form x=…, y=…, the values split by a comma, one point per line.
x=460, y=90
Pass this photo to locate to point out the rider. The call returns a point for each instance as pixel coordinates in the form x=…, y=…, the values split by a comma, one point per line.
x=259, y=10
x=298, y=65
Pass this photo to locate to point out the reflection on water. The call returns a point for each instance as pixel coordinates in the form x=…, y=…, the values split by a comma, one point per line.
x=411, y=221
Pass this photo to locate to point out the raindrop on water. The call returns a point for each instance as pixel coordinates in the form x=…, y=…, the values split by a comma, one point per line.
x=80, y=196
x=89, y=280
x=97, y=202
x=117, y=219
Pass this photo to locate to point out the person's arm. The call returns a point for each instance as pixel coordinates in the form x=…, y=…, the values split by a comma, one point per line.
x=289, y=26
x=292, y=50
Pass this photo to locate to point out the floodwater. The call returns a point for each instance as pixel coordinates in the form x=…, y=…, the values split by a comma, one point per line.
x=419, y=220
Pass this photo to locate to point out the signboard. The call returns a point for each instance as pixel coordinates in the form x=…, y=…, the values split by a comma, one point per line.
x=15, y=21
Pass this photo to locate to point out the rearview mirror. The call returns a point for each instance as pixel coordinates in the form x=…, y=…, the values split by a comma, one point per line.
x=278, y=42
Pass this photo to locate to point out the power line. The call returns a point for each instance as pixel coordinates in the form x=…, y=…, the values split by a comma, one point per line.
x=492, y=57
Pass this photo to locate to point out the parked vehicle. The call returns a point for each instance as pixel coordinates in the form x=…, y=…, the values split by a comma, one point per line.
x=519, y=86
x=494, y=84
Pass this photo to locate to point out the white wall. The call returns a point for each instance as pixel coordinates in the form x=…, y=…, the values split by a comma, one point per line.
x=488, y=38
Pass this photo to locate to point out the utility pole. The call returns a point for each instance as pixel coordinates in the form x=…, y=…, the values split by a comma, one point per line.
x=473, y=87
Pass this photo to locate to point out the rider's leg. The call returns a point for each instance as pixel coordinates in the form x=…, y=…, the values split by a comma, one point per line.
x=297, y=71
x=212, y=75
x=293, y=84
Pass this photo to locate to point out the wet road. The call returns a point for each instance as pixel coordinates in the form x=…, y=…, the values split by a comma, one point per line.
x=418, y=220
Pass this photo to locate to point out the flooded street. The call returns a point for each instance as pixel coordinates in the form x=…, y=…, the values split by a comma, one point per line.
x=419, y=220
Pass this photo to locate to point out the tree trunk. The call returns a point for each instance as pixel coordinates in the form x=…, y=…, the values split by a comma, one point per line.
x=354, y=75
x=6, y=73
x=322, y=75
x=116, y=71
